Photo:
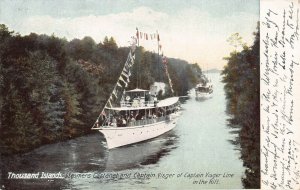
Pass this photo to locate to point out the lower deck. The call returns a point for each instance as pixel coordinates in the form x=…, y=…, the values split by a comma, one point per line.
x=120, y=136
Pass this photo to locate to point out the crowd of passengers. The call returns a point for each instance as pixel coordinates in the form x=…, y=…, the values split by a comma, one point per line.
x=123, y=120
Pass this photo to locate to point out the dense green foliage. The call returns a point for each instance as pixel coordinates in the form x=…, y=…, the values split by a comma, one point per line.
x=52, y=89
x=241, y=78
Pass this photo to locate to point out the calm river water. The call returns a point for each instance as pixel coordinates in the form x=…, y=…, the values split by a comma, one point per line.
x=199, y=144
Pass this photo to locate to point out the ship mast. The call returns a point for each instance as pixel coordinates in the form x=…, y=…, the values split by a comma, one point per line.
x=137, y=69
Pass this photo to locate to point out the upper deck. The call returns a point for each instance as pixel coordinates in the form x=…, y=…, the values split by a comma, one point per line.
x=137, y=99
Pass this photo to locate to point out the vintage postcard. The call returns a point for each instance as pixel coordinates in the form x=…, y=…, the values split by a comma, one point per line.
x=143, y=94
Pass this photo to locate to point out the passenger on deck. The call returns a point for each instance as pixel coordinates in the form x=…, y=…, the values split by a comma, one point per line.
x=124, y=122
x=138, y=117
x=119, y=122
x=114, y=122
x=159, y=114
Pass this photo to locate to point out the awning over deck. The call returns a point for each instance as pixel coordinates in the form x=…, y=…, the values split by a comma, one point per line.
x=168, y=102
x=137, y=90
x=129, y=108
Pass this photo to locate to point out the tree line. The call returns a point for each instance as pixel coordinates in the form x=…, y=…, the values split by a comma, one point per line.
x=241, y=76
x=52, y=89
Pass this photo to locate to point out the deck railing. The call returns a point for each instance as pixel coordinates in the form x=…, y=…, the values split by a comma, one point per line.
x=137, y=103
x=140, y=122
x=148, y=121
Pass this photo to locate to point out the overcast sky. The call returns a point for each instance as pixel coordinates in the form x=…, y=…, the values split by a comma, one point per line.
x=193, y=30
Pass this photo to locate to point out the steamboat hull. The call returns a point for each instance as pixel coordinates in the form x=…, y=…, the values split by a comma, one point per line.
x=121, y=136
x=203, y=95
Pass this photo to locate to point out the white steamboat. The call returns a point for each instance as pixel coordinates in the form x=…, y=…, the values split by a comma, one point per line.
x=136, y=116
x=139, y=118
x=204, y=90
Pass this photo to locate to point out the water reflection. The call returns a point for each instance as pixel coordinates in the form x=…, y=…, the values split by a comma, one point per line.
x=84, y=154
x=202, y=99
x=144, y=153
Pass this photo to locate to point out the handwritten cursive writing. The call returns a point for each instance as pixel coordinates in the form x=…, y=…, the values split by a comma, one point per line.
x=279, y=65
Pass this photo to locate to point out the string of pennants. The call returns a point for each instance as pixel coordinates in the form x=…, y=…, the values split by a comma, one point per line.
x=148, y=36
x=165, y=63
x=156, y=37
x=123, y=80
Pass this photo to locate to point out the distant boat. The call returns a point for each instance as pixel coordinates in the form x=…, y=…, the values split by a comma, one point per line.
x=204, y=90
x=139, y=116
